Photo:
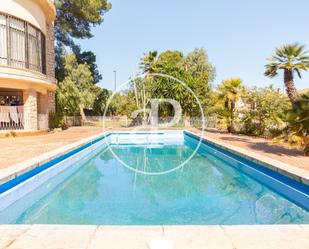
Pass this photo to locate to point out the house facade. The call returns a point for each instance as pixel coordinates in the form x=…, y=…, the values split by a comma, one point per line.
x=27, y=64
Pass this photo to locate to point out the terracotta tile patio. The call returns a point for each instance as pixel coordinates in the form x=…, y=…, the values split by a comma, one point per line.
x=264, y=147
x=16, y=150
x=19, y=149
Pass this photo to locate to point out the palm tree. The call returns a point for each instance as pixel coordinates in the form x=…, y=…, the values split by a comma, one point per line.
x=230, y=92
x=148, y=61
x=289, y=58
x=147, y=66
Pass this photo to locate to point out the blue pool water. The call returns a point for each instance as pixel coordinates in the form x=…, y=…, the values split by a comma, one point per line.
x=102, y=191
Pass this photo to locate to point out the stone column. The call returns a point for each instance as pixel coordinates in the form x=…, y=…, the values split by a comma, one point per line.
x=50, y=51
x=51, y=102
x=30, y=109
x=43, y=111
x=46, y=105
x=50, y=65
x=42, y=103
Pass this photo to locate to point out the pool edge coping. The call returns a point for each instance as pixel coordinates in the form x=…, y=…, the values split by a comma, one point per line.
x=288, y=170
x=93, y=236
x=16, y=170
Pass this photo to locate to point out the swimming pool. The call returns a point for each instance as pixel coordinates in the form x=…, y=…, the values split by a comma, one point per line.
x=135, y=179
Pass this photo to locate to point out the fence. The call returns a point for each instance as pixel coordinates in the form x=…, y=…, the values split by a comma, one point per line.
x=10, y=120
x=125, y=122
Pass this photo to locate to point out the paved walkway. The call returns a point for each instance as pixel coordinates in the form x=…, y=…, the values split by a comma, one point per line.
x=263, y=147
x=180, y=237
x=19, y=149
x=15, y=150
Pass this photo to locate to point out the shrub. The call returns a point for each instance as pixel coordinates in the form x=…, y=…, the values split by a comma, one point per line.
x=55, y=120
x=265, y=111
x=299, y=122
x=63, y=125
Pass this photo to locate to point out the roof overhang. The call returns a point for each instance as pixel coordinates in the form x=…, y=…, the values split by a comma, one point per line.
x=49, y=9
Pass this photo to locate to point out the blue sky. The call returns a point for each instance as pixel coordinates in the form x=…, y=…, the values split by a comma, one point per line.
x=237, y=34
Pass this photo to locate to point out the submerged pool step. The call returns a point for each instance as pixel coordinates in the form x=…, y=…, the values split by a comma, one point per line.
x=140, y=138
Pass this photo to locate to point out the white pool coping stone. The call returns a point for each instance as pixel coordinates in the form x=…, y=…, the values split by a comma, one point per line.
x=142, y=237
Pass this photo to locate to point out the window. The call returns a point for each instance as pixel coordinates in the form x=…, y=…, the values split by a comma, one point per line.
x=3, y=41
x=34, y=48
x=18, y=43
x=21, y=44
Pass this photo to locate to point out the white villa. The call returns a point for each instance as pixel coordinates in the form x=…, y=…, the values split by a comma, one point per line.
x=27, y=75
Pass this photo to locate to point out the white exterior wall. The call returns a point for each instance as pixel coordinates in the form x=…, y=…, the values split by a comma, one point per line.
x=27, y=10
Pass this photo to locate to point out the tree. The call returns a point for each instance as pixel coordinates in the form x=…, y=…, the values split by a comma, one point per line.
x=89, y=58
x=194, y=70
x=75, y=92
x=142, y=87
x=74, y=21
x=298, y=123
x=121, y=104
x=198, y=66
x=148, y=61
x=230, y=93
x=115, y=106
x=86, y=57
x=291, y=59
x=202, y=73
x=102, y=96
x=266, y=109
x=170, y=63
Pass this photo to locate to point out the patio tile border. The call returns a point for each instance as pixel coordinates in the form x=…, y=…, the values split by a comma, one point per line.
x=285, y=169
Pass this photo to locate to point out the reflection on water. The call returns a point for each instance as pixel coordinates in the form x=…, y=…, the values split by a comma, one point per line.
x=205, y=191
